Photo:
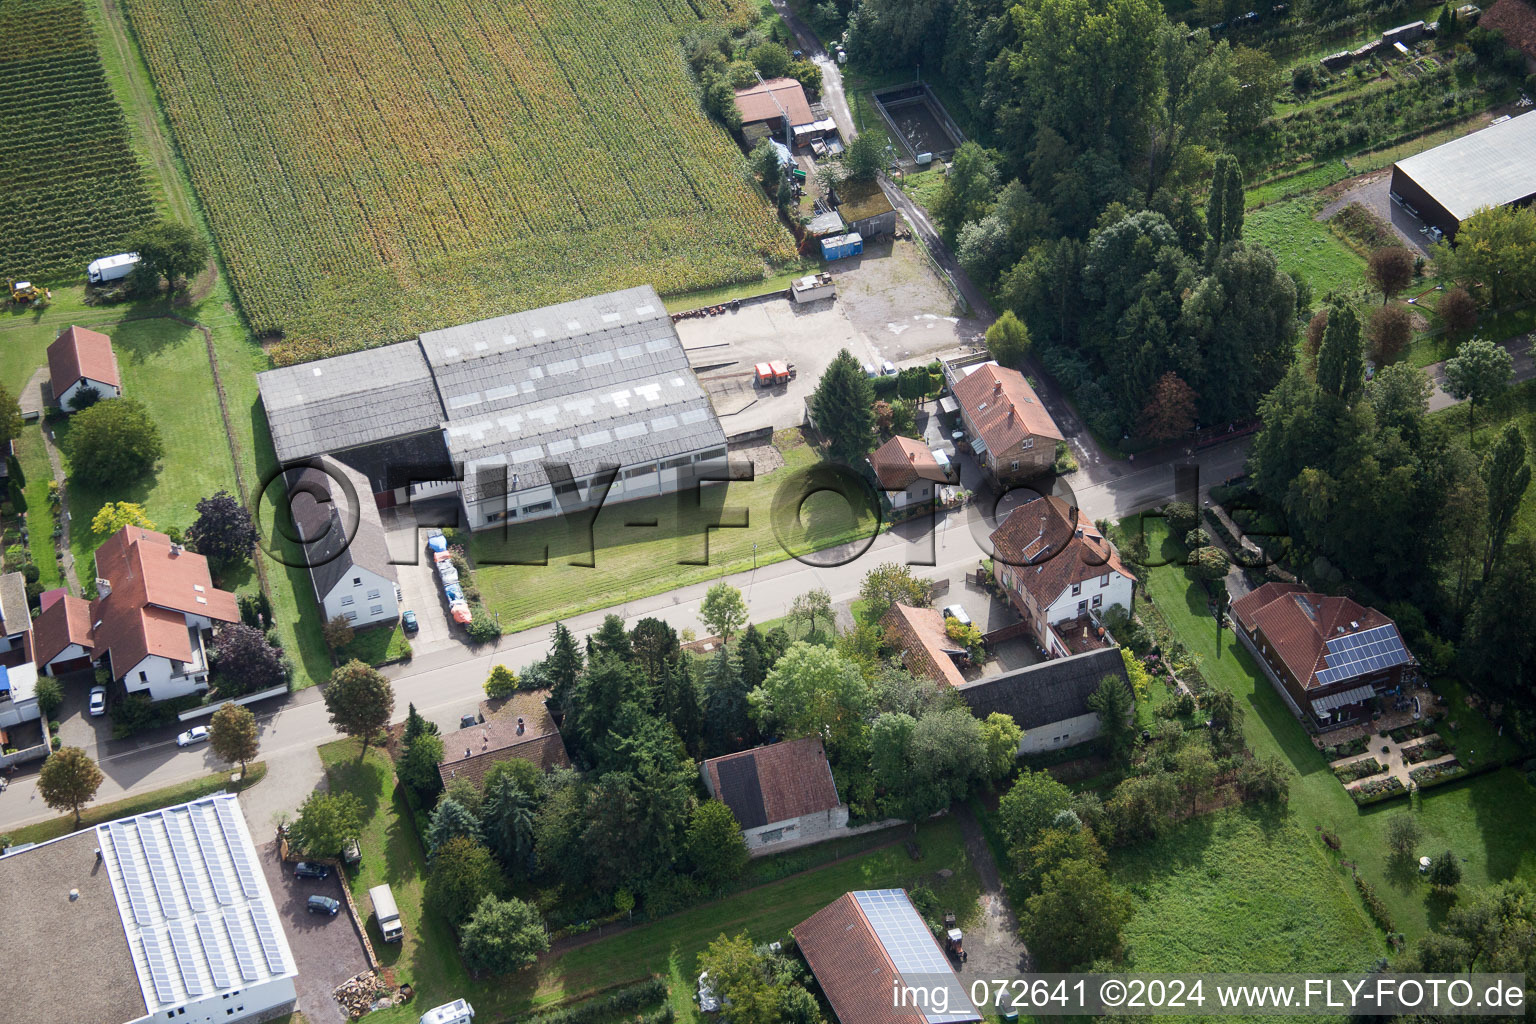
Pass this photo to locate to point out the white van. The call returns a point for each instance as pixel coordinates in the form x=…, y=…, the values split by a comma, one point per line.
x=388, y=914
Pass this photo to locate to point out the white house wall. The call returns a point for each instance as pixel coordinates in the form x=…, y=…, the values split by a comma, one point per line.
x=160, y=681
x=104, y=390
x=1116, y=592
x=262, y=1001
x=370, y=600
x=631, y=484
x=69, y=653
x=1066, y=733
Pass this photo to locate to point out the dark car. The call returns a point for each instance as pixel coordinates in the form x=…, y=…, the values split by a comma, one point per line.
x=304, y=869
x=322, y=905
x=408, y=620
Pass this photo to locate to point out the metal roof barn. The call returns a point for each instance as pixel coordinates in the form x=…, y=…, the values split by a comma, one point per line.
x=1492, y=167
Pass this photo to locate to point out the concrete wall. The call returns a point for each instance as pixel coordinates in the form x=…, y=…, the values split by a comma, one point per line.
x=357, y=601
x=806, y=829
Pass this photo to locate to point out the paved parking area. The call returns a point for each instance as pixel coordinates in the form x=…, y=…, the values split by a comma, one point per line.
x=76, y=726
x=327, y=950
x=418, y=582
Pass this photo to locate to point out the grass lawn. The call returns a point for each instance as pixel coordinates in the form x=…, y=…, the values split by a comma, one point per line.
x=32, y=455
x=138, y=804
x=1489, y=821
x=392, y=853
x=633, y=561
x=1306, y=246
x=923, y=186
x=769, y=285
x=377, y=646
x=1241, y=890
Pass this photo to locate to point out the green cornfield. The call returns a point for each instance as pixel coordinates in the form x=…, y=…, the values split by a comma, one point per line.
x=72, y=189
x=375, y=169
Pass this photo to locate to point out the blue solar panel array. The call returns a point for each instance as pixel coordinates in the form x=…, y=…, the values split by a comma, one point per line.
x=911, y=946
x=1362, y=653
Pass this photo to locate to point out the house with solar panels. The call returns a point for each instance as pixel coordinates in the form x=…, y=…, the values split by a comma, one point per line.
x=782, y=795
x=164, y=916
x=868, y=946
x=516, y=418
x=1329, y=657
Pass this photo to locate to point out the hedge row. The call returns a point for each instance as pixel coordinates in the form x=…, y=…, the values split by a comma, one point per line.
x=1378, y=910
x=628, y=1000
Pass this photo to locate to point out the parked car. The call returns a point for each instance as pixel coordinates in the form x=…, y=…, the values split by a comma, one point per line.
x=957, y=613
x=322, y=905
x=467, y=722
x=408, y=621
x=888, y=369
x=305, y=869
x=98, y=701
x=196, y=734
x=870, y=371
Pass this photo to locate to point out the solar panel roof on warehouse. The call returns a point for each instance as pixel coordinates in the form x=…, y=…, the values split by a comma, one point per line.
x=1362, y=653
x=599, y=381
x=911, y=946
x=1491, y=167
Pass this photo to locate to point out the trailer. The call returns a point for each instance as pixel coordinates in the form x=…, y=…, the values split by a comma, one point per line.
x=457, y=1012
x=111, y=268
x=840, y=246
x=770, y=374
x=387, y=913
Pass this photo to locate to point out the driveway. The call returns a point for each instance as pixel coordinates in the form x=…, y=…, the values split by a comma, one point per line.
x=76, y=726
x=419, y=591
x=327, y=950
x=993, y=948
x=1375, y=194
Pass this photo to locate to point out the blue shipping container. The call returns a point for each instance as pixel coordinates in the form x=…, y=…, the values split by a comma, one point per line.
x=838, y=246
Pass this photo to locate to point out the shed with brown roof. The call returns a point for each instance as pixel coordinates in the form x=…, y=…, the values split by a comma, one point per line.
x=769, y=101
x=907, y=472
x=782, y=794
x=81, y=360
x=1012, y=434
x=1328, y=656
x=924, y=642
x=520, y=728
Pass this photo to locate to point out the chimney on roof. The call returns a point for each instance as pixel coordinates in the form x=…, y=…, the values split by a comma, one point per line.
x=1354, y=625
x=1010, y=413
x=103, y=587
x=997, y=387
x=1079, y=532
x=175, y=550
x=911, y=456
x=519, y=726
x=466, y=751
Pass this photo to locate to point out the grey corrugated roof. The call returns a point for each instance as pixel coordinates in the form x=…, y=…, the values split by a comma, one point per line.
x=353, y=399
x=1045, y=694
x=594, y=382
x=14, y=615
x=318, y=517
x=1491, y=167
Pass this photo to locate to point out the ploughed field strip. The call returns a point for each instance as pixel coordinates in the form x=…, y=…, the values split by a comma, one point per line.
x=375, y=170
x=73, y=190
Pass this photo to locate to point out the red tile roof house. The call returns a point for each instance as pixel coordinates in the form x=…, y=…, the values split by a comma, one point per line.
x=1059, y=572
x=155, y=605
x=782, y=795
x=1014, y=438
x=521, y=728
x=926, y=648
x=767, y=102
x=871, y=954
x=1327, y=656
x=80, y=360
x=908, y=473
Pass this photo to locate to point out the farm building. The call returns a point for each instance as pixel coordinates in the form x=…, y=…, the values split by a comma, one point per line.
x=1049, y=701
x=168, y=911
x=1059, y=573
x=510, y=419
x=865, y=209
x=765, y=106
x=1492, y=167
x=1012, y=434
x=926, y=649
x=864, y=946
x=344, y=549
x=1328, y=655
x=81, y=360
x=1516, y=19
x=782, y=795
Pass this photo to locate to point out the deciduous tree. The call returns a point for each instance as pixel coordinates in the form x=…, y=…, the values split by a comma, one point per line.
x=1390, y=269
x=10, y=416
x=1000, y=738
x=360, y=701
x=503, y=936
x=1389, y=330
x=1458, y=310
x=233, y=735
x=1478, y=371
x=1507, y=476
x=812, y=691
x=723, y=611
x=115, y=515
x=223, y=530
x=1403, y=835
x=1008, y=340
x=501, y=683
x=112, y=442
x=69, y=780
x=325, y=822
x=463, y=875
x=1076, y=917
x=715, y=845
x=245, y=661
x=1340, y=362
x=1171, y=411
x=888, y=584
x=1028, y=808
x=337, y=632
x=811, y=606
x=172, y=250
x=969, y=190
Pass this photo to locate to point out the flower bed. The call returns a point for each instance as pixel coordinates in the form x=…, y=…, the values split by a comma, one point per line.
x=1430, y=748
x=1375, y=790
x=1436, y=774
x=1358, y=745
x=1413, y=730
x=1359, y=769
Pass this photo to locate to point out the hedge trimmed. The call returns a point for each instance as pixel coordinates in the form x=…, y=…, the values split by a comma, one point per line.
x=1377, y=790
x=1437, y=774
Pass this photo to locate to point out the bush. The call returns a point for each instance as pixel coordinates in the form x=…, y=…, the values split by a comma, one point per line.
x=1181, y=517
x=55, y=743
x=49, y=696
x=482, y=628
x=1377, y=790
x=1373, y=905
x=1359, y=770
x=1437, y=774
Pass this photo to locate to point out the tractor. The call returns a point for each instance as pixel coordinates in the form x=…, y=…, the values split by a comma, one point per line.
x=25, y=293
x=954, y=939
